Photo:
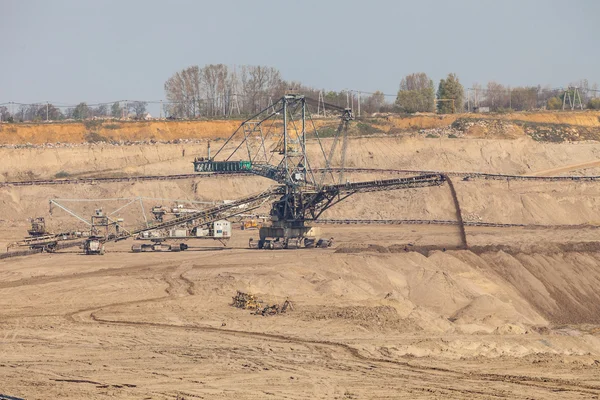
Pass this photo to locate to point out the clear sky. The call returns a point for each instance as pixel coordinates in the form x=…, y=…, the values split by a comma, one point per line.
x=68, y=51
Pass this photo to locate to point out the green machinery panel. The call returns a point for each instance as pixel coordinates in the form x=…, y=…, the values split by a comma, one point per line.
x=222, y=166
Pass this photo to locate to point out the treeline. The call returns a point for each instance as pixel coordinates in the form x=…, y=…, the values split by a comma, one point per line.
x=219, y=91
x=498, y=97
x=49, y=112
x=417, y=93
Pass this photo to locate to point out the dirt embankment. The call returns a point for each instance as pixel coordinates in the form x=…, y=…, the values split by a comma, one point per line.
x=94, y=131
x=553, y=126
x=517, y=157
x=481, y=201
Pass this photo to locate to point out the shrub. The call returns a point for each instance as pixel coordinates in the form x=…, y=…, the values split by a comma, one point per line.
x=554, y=103
x=62, y=174
x=431, y=136
x=503, y=110
x=94, y=137
x=92, y=123
x=366, y=129
x=326, y=132
x=594, y=104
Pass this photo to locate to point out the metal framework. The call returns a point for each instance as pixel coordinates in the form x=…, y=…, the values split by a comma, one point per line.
x=303, y=193
x=272, y=144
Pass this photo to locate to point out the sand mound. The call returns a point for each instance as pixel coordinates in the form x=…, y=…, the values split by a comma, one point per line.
x=370, y=318
x=491, y=312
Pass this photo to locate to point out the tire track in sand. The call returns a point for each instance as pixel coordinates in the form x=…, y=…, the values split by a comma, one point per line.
x=180, y=286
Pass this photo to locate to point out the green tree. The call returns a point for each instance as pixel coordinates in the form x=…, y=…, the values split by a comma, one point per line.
x=450, y=89
x=81, y=111
x=5, y=114
x=416, y=94
x=336, y=98
x=115, y=110
x=101, y=111
x=594, y=104
x=554, y=103
x=46, y=112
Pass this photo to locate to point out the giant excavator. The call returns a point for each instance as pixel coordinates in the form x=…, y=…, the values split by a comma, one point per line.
x=301, y=193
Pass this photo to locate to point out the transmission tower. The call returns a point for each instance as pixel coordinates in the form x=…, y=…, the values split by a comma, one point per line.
x=321, y=103
x=572, y=101
x=234, y=100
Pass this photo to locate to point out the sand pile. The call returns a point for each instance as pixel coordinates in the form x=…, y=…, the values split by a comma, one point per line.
x=451, y=292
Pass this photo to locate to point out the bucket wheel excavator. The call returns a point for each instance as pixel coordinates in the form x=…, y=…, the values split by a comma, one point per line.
x=272, y=144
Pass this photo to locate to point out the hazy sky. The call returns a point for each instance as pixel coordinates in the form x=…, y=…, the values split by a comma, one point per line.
x=96, y=51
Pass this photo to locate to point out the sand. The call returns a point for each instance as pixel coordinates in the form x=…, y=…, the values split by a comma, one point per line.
x=514, y=316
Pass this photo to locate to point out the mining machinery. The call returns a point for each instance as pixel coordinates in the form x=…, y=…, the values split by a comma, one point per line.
x=40, y=238
x=302, y=192
x=271, y=144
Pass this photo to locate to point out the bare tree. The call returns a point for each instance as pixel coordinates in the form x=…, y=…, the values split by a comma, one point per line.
x=138, y=108
x=583, y=88
x=374, y=102
x=524, y=98
x=496, y=96
x=259, y=83
x=214, y=79
x=36, y=112
x=183, y=91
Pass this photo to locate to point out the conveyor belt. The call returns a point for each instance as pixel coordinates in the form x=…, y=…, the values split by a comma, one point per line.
x=266, y=172
x=221, y=211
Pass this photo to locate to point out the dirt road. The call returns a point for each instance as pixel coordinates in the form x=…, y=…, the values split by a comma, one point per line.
x=566, y=168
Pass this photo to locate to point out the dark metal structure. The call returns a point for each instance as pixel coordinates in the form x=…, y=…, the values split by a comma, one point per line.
x=306, y=186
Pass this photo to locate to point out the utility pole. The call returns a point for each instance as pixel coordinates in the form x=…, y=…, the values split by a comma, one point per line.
x=271, y=105
x=321, y=101
x=469, y=100
x=359, y=103
x=577, y=95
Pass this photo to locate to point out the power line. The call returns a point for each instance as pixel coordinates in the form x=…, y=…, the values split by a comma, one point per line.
x=58, y=104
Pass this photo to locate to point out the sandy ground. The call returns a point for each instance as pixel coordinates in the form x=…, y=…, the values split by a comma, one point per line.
x=389, y=312
x=365, y=325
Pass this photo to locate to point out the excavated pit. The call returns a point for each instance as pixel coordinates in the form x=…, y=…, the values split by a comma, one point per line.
x=515, y=313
